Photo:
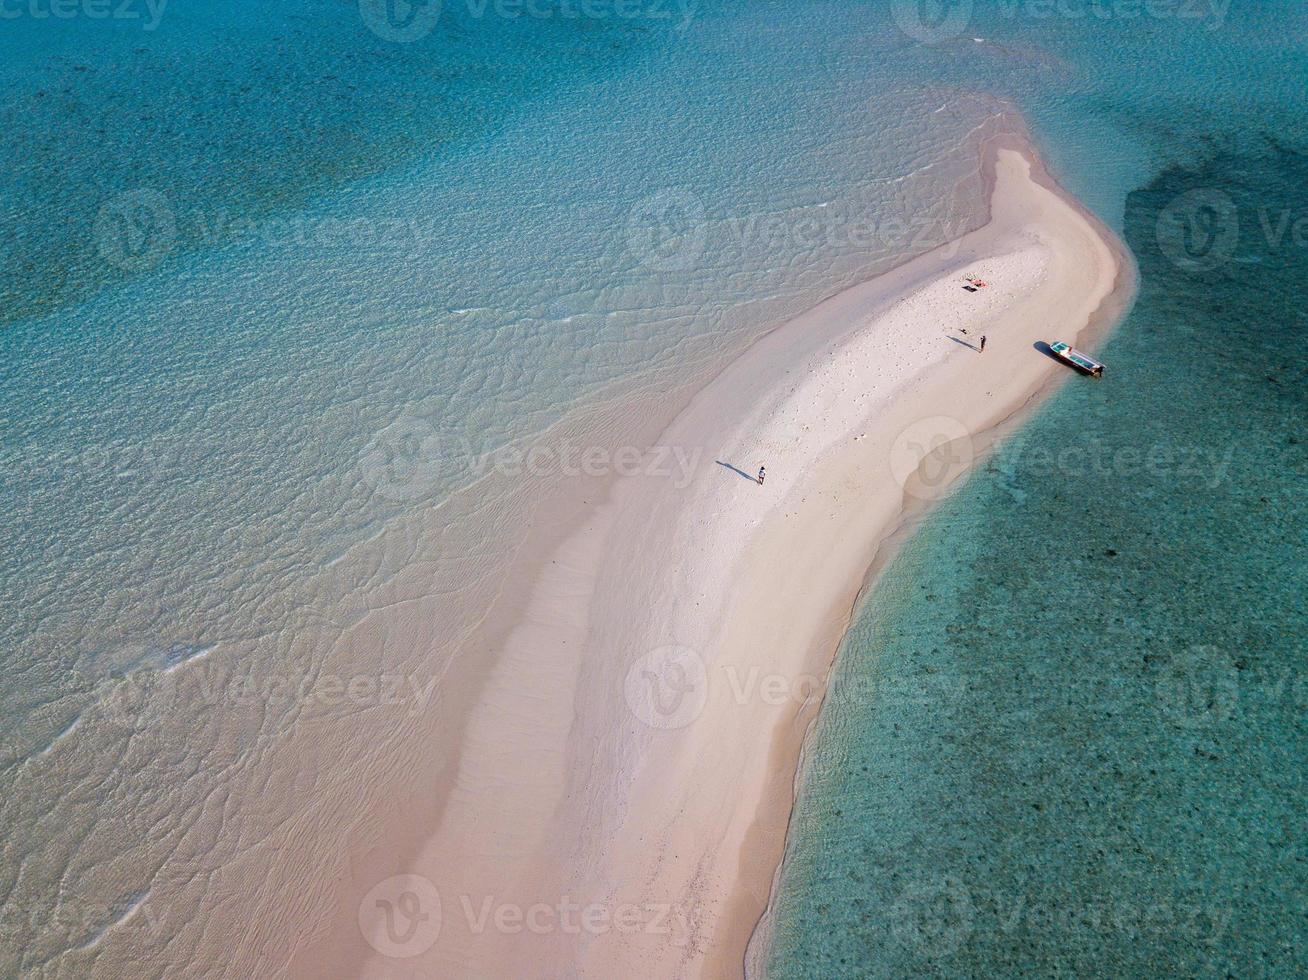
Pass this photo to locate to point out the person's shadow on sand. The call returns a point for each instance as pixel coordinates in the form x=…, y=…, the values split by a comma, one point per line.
x=965, y=344
x=736, y=469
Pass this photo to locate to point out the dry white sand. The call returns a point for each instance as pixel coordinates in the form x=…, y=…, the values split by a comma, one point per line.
x=625, y=778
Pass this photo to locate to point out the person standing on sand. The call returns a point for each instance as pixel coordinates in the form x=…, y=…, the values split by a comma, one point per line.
x=983, y=342
x=762, y=472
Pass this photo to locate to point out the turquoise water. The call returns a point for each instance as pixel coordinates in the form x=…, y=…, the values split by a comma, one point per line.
x=273, y=281
x=250, y=243
x=239, y=111
x=1066, y=733
x=246, y=244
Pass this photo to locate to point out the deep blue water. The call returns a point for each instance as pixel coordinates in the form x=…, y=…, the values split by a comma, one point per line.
x=1066, y=735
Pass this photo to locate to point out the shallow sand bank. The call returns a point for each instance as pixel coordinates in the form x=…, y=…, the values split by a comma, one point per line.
x=621, y=791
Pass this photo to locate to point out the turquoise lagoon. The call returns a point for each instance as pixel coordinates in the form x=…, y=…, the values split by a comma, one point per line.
x=242, y=242
x=274, y=280
x=1065, y=733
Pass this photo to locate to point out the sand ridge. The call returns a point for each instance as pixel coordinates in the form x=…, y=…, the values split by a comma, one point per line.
x=627, y=771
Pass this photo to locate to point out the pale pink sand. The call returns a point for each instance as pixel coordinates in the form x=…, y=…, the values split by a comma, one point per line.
x=603, y=823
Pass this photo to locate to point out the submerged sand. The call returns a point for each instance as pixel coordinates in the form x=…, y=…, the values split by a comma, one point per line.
x=618, y=801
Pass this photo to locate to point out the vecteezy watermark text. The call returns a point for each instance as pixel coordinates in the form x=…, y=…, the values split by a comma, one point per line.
x=668, y=687
x=149, y=12
x=130, y=701
x=1201, y=466
x=1195, y=687
x=407, y=21
x=935, y=916
x=670, y=231
x=937, y=21
x=402, y=917
x=567, y=459
x=569, y=917
x=678, y=12
x=136, y=230
x=1210, y=12
x=406, y=459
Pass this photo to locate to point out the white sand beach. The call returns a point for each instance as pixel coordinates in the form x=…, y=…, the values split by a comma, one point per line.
x=620, y=795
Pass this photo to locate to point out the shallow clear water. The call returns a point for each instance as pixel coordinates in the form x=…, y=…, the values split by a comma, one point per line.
x=274, y=283
x=1066, y=732
x=314, y=245
x=256, y=254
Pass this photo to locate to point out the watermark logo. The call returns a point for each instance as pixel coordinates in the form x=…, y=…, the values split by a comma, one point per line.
x=136, y=230
x=668, y=231
x=932, y=21
x=927, y=456
x=1199, y=230
x=402, y=462
x=932, y=917
x=149, y=12
x=1199, y=688
x=400, y=917
x=667, y=687
x=317, y=690
x=567, y=916
x=651, y=10
x=1199, y=466
x=134, y=694
x=675, y=463
x=1209, y=12
x=406, y=21
x=400, y=21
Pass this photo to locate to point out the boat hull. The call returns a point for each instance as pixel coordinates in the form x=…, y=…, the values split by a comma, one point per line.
x=1077, y=360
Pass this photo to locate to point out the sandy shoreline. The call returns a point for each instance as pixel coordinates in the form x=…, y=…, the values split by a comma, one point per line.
x=790, y=756
x=623, y=784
